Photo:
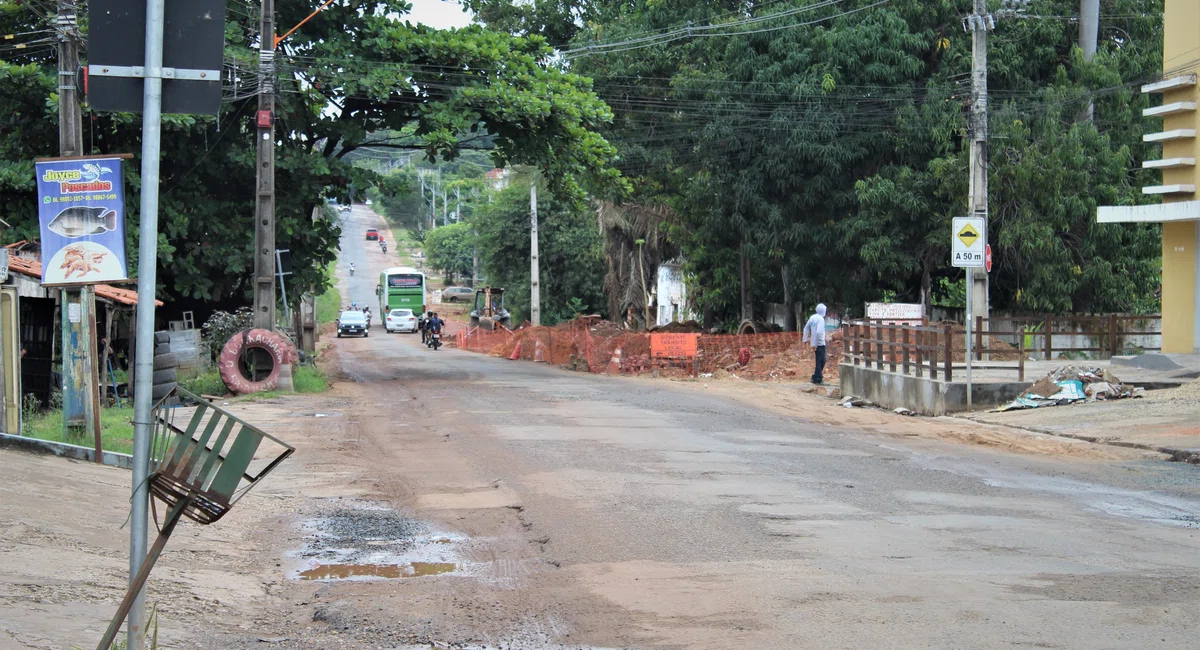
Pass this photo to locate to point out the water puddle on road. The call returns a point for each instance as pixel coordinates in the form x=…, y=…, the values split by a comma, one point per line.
x=364, y=540
x=349, y=571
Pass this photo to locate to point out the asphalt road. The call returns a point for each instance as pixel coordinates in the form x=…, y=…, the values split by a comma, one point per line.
x=692, y=521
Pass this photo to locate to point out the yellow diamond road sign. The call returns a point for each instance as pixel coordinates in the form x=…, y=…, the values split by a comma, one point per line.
x=968, y=235
x=968, y=241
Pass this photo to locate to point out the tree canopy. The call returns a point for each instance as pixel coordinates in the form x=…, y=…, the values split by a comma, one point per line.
x=817, y=151
x=354, y=71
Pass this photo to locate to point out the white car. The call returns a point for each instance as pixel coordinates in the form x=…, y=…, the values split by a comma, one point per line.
x=400, y=320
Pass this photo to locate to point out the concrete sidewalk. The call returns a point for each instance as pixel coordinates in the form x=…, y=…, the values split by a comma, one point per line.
x=1164, y=421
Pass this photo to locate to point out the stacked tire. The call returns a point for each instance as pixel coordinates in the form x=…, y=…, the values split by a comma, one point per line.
x=166, y=367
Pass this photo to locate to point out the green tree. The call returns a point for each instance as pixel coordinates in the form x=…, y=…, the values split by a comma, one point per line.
x=450, y=249
x=570, y=251
x=354, y=70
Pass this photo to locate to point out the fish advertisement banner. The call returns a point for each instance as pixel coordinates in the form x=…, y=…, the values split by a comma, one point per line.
x=81, y=210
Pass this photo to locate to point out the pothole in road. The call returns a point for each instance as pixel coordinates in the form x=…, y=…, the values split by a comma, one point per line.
x=367, y=541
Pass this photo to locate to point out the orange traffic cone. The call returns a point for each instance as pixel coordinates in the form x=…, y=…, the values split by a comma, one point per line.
x=516, y=352
x=538, y=355
x=614, y=364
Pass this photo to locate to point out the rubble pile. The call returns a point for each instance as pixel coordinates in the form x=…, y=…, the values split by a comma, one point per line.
x=1070, y=385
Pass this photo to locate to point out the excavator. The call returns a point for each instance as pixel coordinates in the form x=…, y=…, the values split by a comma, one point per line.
x=489, y=309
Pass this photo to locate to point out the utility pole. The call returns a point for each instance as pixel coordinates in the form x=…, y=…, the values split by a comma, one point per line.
x=535, y=289
x=70, y=114
x=264, y=206
x=1089, y=37
x=445, y=213
x=80, y=377
x=147, y=277
x=979, y=23
x=457, y=204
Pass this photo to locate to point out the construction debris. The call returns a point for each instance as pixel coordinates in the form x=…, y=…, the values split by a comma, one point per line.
x=1070, y=385
x=856, y=402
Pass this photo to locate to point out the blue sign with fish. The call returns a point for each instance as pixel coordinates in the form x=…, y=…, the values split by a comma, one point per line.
x=81, y=210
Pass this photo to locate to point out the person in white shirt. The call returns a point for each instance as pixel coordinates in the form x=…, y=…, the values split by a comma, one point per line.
x=814, y=334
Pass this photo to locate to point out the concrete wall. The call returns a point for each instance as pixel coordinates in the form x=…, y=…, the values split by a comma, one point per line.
x=923, y=395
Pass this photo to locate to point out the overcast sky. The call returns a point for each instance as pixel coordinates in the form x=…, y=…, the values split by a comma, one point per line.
x=438, y=13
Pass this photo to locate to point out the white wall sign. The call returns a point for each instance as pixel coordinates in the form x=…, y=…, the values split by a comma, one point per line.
x=895, y=311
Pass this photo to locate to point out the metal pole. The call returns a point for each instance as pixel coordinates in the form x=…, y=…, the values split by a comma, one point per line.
x=147, y=277
x=445, y=214
x=535, y=290
x=980, y=22
x=970, y=279
x=287, y=311
x=264, y=212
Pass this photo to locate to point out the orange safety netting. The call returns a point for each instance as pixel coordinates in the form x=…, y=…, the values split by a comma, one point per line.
x=592, y=346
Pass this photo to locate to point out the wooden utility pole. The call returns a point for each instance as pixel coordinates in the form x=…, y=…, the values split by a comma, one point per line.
x=264, y=206
x=535, y=290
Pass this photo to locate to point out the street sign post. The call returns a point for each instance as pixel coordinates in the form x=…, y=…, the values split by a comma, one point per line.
x=968, y=242
x=145, y=56
x=969, y=249
x=193, y=55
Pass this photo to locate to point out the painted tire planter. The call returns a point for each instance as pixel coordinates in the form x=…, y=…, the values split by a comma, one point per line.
x=275, y=347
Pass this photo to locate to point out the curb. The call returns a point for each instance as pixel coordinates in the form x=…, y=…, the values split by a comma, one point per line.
x=65, y=450
x=1189, y=456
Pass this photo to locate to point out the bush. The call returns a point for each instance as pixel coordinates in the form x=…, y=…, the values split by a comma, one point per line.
x=222, y=325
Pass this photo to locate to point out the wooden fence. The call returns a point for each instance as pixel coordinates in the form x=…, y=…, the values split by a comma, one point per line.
x=911, y=349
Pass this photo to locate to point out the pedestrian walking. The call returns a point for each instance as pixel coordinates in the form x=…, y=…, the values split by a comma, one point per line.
x=814, y=335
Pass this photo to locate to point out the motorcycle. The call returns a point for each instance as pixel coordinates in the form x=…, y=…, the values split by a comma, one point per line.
x=384, y=247
x=352, y=271
x=435, y=340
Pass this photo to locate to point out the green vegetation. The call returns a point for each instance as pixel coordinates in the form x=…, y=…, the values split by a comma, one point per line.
x=329, y=301
x=116, y=428
x=207, y=383
x=394, y=83
x=310, y=379
x=820, y=154
x=450, y=250
x=569, y=246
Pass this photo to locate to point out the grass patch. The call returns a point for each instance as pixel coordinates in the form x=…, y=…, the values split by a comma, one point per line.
x=329, y=303
x=310, y=379
x=208, y=383
x=116, y=429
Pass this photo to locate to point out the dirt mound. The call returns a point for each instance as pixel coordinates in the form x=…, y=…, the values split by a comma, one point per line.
x=686, y=327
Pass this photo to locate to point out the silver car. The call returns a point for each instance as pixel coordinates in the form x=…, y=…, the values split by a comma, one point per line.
x=457, y=294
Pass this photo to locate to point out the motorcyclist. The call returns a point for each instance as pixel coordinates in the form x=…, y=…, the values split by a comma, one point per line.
x=423, y=325
x=351, y=268
x=435, y=325
x=367, y=313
